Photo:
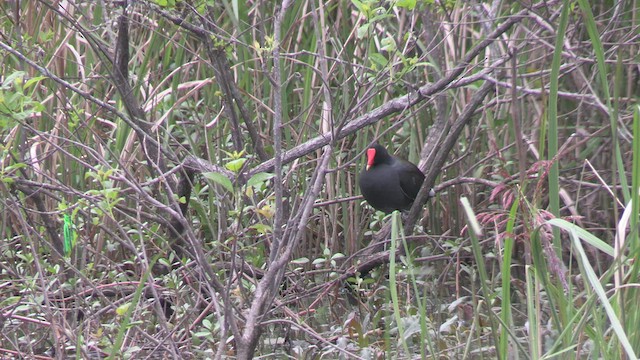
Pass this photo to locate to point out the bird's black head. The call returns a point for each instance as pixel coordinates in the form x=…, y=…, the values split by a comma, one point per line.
x=377, y=154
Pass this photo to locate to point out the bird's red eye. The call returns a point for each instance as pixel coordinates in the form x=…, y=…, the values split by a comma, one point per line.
x=371, y=154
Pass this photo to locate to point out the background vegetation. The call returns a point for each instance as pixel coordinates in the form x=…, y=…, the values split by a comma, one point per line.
x=114, y=116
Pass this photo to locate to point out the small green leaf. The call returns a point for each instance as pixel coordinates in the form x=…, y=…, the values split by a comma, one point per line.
x=259, y=178
x=33, y=81
x=388, y=44
x=235, y=165
x=219, y=179
x=378, y=59
x=300, y=261
x=11, y=300
x=363, y=30
x=261, y=228
x=407, y=4
x=363, y=7
x=122, y=309
x=9, y=80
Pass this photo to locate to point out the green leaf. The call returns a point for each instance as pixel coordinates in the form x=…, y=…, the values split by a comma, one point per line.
x=388, y=44
x=220, y=180
x=11, y=300
x=364, y=8
x=235, y=165
x=363, y=30
x=259, y=179
x=378, y=59
x=122, y=309
x=33, y=81
x=166, y=3
x=407, y=4
x=261, y=228
x=300, y=261
x=9, y=80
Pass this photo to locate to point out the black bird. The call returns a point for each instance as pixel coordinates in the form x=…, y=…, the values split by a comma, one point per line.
x=389, y=183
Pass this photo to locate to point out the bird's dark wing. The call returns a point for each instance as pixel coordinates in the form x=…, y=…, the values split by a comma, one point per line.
x=411, y=179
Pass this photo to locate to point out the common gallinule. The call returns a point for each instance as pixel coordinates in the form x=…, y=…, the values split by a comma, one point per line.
x=389, y=183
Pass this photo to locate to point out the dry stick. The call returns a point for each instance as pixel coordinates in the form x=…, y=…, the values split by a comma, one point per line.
x=233, y=96
x=327, y=120
x=225, y=79
x=433, y=39
x=441, y=156
x=277, y=133
x=296, y=227
x=151, y=149
x=226, y=82
x=267, y=287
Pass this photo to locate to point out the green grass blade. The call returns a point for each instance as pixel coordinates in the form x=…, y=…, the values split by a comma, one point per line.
x=592, y=278
x=474, y=231
x=552, y=138
x=126, y=319
x=533, y=312
x=421, y=303
x=584, y=235
x=506, y=275
x=594, y=36
x=395, y=234
x=635, y=181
